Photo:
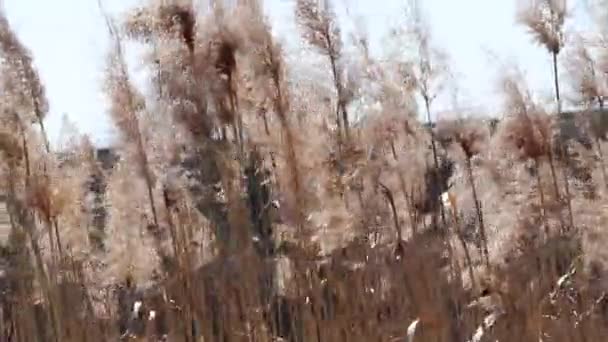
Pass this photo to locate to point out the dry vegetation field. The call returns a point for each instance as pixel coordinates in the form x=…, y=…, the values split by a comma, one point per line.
x=243, y=205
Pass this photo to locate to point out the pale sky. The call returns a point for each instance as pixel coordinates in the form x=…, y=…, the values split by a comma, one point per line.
x=68, y=40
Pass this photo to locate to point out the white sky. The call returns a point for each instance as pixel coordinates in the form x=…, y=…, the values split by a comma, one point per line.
x=68, y=41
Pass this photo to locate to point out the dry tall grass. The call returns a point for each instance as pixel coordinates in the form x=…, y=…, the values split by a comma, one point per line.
x=243, y=206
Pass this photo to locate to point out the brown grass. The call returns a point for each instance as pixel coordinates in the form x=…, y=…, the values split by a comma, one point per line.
x=244, y=206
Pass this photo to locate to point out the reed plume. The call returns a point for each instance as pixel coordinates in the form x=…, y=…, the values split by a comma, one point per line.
x=470, y=138
x=425, y=72
x=528, y=131
x=589, y=85
x=545, y=19
x=321, y=30
x=586, y=79
x=28, y=90
x=126, y=107
x=270, y=67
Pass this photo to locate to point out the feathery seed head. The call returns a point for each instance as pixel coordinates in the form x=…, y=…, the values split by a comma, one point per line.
x=319, y=22
x=527, y=126
x=469, y=135
x=19, y=71
x=545, y=20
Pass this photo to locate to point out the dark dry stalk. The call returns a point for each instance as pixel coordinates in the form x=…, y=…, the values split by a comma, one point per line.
x=598, y=145
x=58, y=236
x=410, y=210
x=26, y=155
x=362, y=205
x=237, y=121
x=15, y=326
x=482, y=228
x=465, y=248
x=344, y=195
x=27, y=222
x=143, y=159
x=393, y=150
x=556, y=83
x=193, y=312
x=542, y=196
x=172, y=229
x=341, y=106
x=159, y=73
x=79, y=271
x=50, y=225
x=407, y=196
x=562, y=148
x=602, y=163
x=49, y=231
x=241, y=137
x=427, y=105
x=391, y=200
x=419, y=214
x=567, y=188
x=551, y=161
x=141, y=152
x=40, y=119
x=265, y=119
x=148, y=179
x=281, y=111
x=11, y=204
x=184, y=269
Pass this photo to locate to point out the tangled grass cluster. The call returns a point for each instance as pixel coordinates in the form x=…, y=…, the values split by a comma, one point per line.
x=241, y=203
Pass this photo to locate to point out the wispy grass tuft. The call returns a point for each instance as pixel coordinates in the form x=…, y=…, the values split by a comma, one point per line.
x=242, y=202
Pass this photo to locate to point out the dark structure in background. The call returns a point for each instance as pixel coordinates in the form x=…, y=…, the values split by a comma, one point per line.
x=578, y=125
x=97, y=185
x=107, y=157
